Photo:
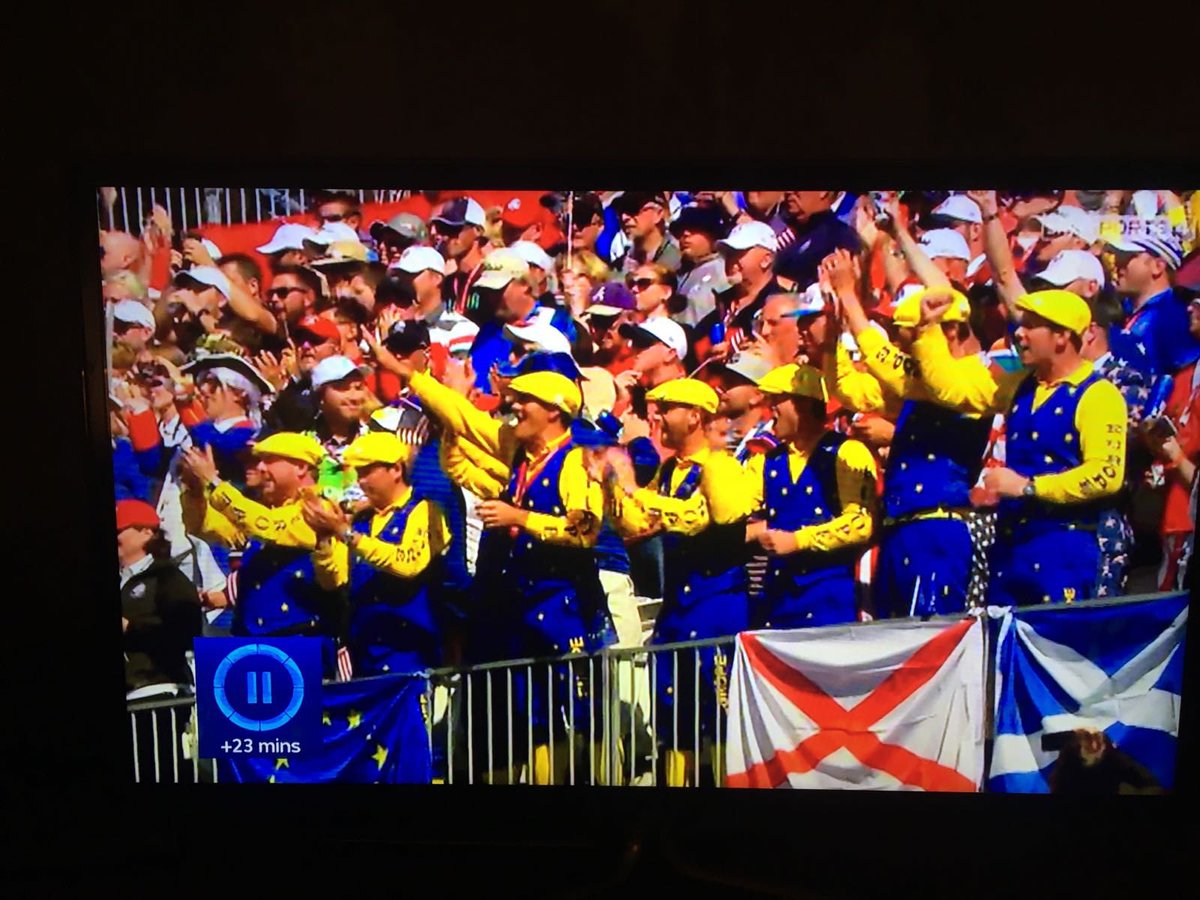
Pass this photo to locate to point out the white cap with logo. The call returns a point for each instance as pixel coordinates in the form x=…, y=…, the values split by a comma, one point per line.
x=961, y=207
x=416, y=259
x=335, y=368
x=289, y=236
x=750, y=234
x=133, y=313
x=945, y=243
x=1071, y=265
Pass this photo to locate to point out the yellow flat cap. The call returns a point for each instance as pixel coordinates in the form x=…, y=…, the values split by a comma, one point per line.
x=551, y=388
x=291, y=445
x=799, y=381
x=376, y=447
x=1060, y=307
x=686, y=392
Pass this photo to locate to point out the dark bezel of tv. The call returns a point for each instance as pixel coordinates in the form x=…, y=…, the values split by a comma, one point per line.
x=830, y=839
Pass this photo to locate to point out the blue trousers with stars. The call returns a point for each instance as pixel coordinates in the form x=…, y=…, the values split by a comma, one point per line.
x=384, y=642
x=679, y=711
x=936, y=551
x=1050, y=565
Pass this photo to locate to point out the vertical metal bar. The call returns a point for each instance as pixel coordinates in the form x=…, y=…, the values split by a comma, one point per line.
x=141, y=210
x=675, y=699
x=362, y=196
x=174, y=739
x=242, y=204
x=592, y=719
x=196, y=748
x=718, y=754
x=183, y=216
x=167, y=195
x=529, y=721
x=124, y=211
x=606, y=677
x=696, y=718
x=257, y=204
x=303, y=205
x=214, y=771
x=491, y=764
x=228, y=209
x=632, y=717
x=429, y=714
x=272, y=196
x=470, y=731
x=653, y=718
x=154, y=737
x=571, y=721
x=509, y=715
x=137, y=772
x=199, y=208
x=449, y=733
x=550, y=716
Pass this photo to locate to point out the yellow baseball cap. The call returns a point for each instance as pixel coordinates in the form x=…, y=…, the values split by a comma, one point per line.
x=549, y=387
x=799, y=381
x=686, y=392
x=500, y=267
x=908, y=311
x=376, y=447
x=342, y=251
x=291, y=445
x=1060, y=307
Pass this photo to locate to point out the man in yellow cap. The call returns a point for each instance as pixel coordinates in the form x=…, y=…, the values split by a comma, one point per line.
x=699, y=501
x=278, y=593
x=815, y=496
x=935, y=457
x=537, y=584
x=1066, y=428
x=390, y=556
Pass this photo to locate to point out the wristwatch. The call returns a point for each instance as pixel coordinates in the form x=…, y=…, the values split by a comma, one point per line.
x=1028, y=490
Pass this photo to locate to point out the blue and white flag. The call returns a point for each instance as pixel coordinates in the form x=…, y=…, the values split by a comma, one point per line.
x=1116, y=669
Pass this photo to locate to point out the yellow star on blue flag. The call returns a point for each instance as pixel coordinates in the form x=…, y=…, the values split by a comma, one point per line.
x=282, y=764
x=325, y=720
x=379, y=755
x=354, y=718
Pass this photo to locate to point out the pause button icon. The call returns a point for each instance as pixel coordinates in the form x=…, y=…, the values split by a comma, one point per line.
x=252, y=686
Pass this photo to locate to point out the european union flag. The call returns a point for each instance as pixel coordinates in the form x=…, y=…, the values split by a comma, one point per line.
x=1116, y=669
x=373, y=732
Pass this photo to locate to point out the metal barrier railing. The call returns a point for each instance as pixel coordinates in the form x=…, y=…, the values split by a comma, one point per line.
x=483, y=726
x=194, y=207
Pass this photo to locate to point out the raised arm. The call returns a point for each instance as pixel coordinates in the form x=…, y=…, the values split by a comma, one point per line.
x=920, y=264
x=998, y=252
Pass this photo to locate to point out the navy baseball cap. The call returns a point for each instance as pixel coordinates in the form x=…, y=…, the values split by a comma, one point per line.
x=407, y=336
x=539, y=361
x=631, y=202
x=701, y=217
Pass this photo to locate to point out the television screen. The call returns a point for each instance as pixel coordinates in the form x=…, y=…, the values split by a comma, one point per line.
x=882, y=490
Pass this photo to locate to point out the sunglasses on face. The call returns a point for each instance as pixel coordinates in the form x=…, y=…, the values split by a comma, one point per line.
x=446, y=230
x=281, y=293
x=640, y=284
x=332, y=217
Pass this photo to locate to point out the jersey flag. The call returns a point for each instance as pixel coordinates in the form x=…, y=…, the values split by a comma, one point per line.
x=881, y=706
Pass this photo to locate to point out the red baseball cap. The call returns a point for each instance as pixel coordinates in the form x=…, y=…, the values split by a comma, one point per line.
x=132, y=513
x=524, y=213
x=320, y=326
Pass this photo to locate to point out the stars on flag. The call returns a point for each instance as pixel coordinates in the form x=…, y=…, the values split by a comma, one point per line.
x=282, y=764
x=380, y=755
x=354, y=718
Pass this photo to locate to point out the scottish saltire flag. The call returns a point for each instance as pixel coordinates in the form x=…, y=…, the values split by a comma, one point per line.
x=1117, y=669
x=895, y=705
x=374, y=733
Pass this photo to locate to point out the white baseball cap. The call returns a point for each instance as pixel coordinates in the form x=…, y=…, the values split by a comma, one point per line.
x=1072, y=220
x=134, y=313
x=333, y=233
x=1069, y=265
x=415, y=260
x=811, y=303
x=290, y=236
x=750, y=234
x=662, y=329
x=210, y=276
x=945, y=243
x=334, y=368
x=213, y=250
x=533, y=254
x=541, y=334
x=458, y=339
x=961, y=207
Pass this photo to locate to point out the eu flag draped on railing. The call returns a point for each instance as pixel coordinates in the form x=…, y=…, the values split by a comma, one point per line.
x=1112, y=668
x=373, y=732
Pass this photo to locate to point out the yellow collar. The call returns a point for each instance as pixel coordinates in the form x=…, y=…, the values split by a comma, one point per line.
x=552, y=446
x=698, y=458
x=397, y=503
x=1076, y=378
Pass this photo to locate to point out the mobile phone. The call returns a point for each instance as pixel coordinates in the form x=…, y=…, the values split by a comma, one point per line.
x=1163, y=428
x=1056, y=741
x=881, y=216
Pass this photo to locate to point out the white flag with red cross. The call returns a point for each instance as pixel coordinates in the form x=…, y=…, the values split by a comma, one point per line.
x=885, y=706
